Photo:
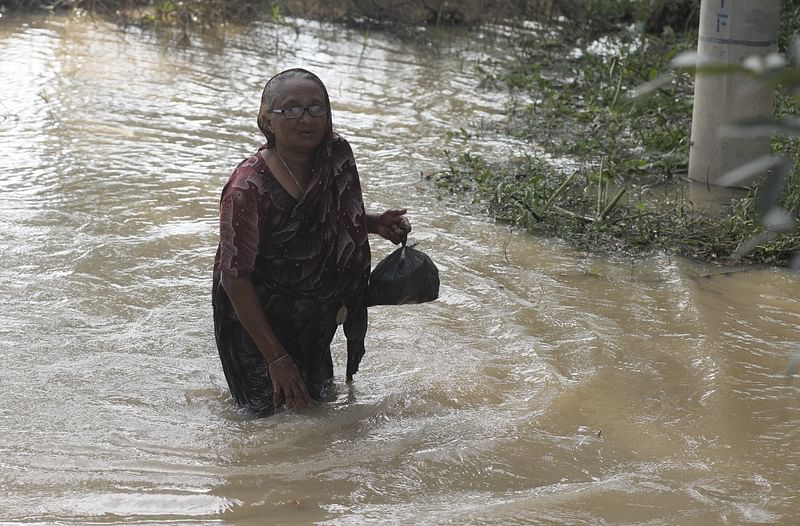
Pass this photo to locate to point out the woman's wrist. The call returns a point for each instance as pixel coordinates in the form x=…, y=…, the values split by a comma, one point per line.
x=278, y=359
x=373, y=220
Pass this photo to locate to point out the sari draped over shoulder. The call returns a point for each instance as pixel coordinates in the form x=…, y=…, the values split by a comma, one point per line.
x=306, y=259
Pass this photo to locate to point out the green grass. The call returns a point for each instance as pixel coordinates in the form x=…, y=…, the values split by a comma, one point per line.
x=630, y=192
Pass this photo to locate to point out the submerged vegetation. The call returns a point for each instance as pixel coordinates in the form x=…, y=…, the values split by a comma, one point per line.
x=570, y=88
x=571, y=95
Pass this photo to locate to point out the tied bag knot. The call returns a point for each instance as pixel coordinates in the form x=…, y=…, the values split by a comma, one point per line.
x=405, y=276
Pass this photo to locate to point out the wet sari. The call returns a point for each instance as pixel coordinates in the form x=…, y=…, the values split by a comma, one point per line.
x=307, y=259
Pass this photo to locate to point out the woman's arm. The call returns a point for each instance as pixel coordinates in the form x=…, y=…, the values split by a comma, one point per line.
x=286, y=380
x=391, y=225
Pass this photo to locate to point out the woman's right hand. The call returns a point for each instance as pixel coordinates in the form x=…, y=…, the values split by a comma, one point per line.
x=287, y=382
x=288, y=385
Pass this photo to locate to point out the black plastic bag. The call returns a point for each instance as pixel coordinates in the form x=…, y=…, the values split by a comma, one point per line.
x=407, y=275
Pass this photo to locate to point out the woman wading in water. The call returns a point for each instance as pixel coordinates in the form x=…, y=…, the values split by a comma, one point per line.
x=293, y=257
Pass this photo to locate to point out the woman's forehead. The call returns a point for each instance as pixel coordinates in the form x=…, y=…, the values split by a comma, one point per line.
x=300, y=87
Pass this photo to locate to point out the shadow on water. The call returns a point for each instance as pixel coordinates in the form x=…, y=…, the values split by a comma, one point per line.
x=544, y=386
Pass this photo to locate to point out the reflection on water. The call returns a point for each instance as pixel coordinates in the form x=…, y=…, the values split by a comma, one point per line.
x=543, y=387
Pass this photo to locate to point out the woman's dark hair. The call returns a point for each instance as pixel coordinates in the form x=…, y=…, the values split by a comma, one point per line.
x=272, y=90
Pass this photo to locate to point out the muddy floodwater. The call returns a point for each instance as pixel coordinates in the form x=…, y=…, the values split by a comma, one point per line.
x=543, y=387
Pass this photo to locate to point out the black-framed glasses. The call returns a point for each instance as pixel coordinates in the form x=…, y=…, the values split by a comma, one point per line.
x=295, y=112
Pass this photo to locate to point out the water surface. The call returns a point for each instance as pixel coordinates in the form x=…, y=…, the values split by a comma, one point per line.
x=544, y=387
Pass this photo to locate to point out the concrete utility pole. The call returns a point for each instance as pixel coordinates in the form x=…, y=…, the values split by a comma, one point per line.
x=730, y=31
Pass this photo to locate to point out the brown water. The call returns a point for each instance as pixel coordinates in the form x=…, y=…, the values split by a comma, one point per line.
x=544, y=387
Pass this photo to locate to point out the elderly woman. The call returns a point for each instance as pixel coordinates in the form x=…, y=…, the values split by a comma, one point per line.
x=293, y=259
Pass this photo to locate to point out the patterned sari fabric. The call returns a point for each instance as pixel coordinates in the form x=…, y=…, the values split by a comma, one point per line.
x=307, y=259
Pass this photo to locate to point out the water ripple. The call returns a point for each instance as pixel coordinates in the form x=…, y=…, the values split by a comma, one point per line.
x=544, y=385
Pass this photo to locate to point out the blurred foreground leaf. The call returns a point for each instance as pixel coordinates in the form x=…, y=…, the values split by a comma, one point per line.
x=747, y=172
x=761, y=126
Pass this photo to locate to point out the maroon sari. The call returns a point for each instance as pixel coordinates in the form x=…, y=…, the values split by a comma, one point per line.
x=306, y=259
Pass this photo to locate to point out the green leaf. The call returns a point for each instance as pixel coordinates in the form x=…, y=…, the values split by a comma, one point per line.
x=693, y=61
x=747, y=172
x=685, y=60
x=761, y=126
x=794, y=364
x=795, y=52
x=649, y=87
x=771, y=189
x=752, y=243
x=778, y=220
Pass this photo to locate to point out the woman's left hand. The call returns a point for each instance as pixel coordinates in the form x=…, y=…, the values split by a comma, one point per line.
x=393, y=225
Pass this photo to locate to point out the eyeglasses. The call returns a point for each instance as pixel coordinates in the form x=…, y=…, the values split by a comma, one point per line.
x=295, y=112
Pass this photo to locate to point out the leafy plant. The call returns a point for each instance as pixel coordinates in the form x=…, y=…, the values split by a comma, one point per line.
x=775, y=195
x=632, y=151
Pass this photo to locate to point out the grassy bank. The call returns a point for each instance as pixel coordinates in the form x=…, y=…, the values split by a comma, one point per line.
x=570, y=96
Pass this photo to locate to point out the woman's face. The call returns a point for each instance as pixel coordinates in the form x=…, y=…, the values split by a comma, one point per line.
x=303, y=134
